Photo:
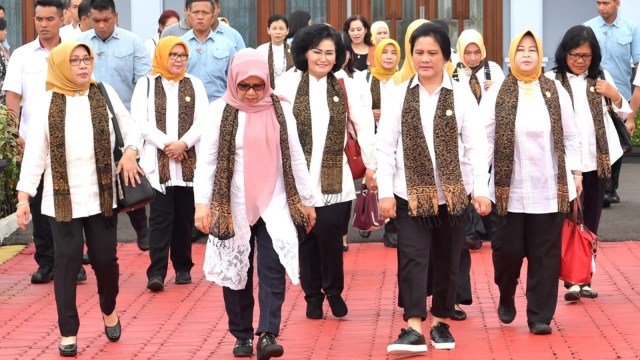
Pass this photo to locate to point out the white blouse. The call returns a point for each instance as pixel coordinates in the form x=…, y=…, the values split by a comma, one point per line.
x=497, y=75
x=534, y=176
x=143, y=111
x=80, y=154
x=472, y=144
x=361, y=117
x=227, y=265
x=279, y=59
x=584, y=120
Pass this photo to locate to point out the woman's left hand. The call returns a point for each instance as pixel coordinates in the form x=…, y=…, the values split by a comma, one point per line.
x=370, y=181
x=482, y=205
x=310, y=213
x=487, y=84
x=129, y=165
x=176, y=150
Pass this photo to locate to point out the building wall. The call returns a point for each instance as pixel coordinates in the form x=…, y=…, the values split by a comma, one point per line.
x=558, y=17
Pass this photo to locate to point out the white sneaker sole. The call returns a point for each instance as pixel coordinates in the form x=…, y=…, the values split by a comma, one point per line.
x=399, y=349
x=443, y=346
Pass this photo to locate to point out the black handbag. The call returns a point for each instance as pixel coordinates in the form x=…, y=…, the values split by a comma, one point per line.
x=621, y=129
x=128, y=197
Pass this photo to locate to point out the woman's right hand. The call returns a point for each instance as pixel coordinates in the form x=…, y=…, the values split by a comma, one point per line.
x=202, y=218
x=387, y=207
x=23, y=211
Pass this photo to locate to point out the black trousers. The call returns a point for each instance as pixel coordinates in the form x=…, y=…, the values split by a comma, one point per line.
x=138, y=218
x=271, y=288
x=592, y=198
x=420, y=242
x=170, y=223
x=538, y=238
x=615, y=174
x=390, y=227
x=321, y=262
x=101, y=235
x=42, y=239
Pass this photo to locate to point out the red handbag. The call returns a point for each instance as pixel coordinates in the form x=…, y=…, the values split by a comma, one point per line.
x=365, y=213
x=579, y=247
x=352, y=148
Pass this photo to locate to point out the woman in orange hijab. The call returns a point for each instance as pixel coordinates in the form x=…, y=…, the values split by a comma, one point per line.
x=71, y=141
x=533, y=142
x=168, y=104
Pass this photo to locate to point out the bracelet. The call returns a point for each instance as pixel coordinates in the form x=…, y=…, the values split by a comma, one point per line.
x=577, y=176
x=22, y=203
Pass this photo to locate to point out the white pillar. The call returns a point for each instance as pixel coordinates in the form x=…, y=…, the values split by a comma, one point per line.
x=144, y=17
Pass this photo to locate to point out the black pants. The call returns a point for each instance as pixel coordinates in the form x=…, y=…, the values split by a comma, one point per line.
x=321, y=262
x=42, y=239
x=592, y=198
x=138, y=218
x=101, y=235
x=615, y=174
x=390, y=227
x=170, y=223
x=538, y=238
x=422, y=241
x=271, y=277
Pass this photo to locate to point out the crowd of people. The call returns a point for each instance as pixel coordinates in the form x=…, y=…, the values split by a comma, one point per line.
x=246, y=146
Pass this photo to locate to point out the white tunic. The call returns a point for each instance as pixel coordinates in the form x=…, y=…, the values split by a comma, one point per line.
x=227, y=265
x=497, y=75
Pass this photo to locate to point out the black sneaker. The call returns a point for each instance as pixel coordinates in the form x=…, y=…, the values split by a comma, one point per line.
x=539, y=328
x=441, y=337
x=268, y=347
x=243, y=348
x=409, y=342
x=155, y=284
x=607, y=200
x=507, y=310
x=43, y=275
x=183, y=277
x=82, y=275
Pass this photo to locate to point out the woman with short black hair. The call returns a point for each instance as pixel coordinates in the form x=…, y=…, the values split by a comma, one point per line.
x=277, y=51
x=318, y=53
x=432, y=157
x=578, y=69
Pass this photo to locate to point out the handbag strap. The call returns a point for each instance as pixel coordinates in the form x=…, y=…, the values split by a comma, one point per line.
x=117, y=152
x=346, y=102
x=607, y=100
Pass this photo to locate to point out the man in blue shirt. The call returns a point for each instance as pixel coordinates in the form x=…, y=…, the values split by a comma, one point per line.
x=209, y=52
x=619, y=40
x=121, y=59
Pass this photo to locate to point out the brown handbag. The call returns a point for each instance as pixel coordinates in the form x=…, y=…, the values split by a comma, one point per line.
x=352, y=148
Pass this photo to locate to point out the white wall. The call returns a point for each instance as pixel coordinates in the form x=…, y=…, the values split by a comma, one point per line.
x=631, y=10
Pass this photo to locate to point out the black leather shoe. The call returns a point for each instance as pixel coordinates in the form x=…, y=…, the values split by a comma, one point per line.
x=113, y=332
x=390, y=240
x=507, y=310
x=82, y=275
x=183, y=277
x=588, y=292
x=613, y=195
x=243, y=348
x=155, y=284
x=337, y=305
x=539, y=328
x=142, y=240
x=43, y=275
x=458, y=315
x=607, y=200
x=70, y=350
x=85, y=259
x=314, y=310
x=268, y=347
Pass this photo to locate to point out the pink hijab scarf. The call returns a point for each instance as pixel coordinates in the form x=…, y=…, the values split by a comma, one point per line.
x=261, y=132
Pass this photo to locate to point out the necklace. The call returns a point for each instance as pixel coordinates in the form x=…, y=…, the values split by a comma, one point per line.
x=279, y=71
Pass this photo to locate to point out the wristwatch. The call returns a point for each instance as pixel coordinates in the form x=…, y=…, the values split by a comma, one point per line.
x=132, y=148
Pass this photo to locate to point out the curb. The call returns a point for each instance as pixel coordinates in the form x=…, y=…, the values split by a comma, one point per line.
x=7, y=226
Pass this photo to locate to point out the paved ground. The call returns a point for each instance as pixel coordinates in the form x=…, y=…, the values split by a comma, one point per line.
x=188, y=321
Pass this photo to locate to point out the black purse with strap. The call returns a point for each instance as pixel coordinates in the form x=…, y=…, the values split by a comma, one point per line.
x=128, y=197
x=621, y=129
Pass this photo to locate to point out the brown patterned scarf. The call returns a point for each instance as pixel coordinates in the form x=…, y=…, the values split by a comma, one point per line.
x=186, y=109
x=506, y=111
x=288, y=62
x=595, y=105
x=101, y=148
x=474, y=83
x=421, y=186
x=222, y=220
x=333, y=153
x=375, y=94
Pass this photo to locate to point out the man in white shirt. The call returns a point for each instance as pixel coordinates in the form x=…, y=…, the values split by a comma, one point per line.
x=25, y=82
x=72, y=30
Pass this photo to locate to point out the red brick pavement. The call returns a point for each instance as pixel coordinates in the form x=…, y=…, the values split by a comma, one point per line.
x=188, y=321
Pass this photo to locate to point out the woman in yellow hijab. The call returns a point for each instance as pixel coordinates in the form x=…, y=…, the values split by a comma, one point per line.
x=474, y=68
x=168, y=105
x=70, y=141
x=407, y=70
x=534, y=141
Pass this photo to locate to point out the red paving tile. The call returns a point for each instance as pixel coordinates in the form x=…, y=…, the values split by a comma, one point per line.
x=188, y=321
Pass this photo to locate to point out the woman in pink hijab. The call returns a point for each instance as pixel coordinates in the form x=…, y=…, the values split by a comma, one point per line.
x=252, y=189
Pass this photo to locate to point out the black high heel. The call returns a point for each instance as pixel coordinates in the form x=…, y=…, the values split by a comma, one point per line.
x=70, y=350
x=113, y=332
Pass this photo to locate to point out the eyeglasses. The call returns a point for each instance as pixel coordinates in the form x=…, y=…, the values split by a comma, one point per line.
x=255, y=87
x=76, y=61
x=576, y=57
x=176, y=56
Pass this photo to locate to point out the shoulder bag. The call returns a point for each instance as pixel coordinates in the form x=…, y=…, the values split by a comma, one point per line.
x=621, y=129
x=352, y=148
x=579, y=246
